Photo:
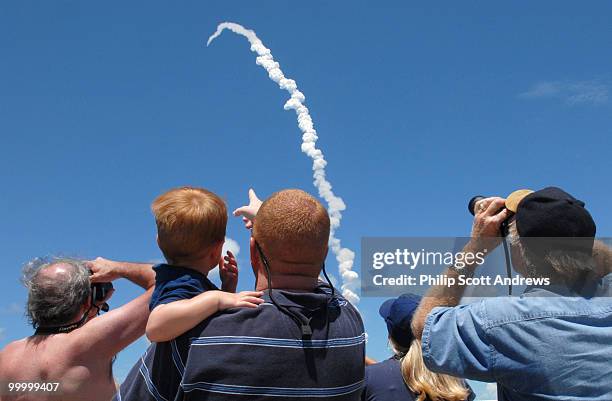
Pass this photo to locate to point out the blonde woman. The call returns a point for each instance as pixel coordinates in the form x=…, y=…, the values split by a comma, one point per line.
x=404, y=376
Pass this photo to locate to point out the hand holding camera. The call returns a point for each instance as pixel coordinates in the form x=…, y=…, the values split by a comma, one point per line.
x=489, y=216
x=104, y=270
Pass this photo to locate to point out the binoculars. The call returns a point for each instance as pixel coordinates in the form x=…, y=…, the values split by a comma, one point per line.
x=504, y=232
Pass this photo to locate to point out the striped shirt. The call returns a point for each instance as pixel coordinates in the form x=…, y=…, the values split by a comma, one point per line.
x=259, y=354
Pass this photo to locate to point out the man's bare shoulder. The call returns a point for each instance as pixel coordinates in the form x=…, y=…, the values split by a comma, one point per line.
x=11, y=355
x=12, y=349
x=15, y=344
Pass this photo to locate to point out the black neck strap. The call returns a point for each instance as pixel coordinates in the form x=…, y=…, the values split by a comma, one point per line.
x=67, y=328
x=508, y=264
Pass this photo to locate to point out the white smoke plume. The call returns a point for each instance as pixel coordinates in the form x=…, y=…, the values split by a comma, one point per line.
x=335, y=205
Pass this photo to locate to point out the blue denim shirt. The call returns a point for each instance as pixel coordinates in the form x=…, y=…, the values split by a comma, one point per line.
x=542, y=345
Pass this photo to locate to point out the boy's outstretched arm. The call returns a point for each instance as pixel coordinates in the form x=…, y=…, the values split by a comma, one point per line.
x=168, y=321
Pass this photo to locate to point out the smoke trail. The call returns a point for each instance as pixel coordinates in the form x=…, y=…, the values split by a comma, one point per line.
x=335, y=205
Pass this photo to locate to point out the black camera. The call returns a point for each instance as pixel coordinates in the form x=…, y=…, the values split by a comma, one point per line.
x=99, y=292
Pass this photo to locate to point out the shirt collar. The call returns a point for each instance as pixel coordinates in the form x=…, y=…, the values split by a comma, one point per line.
x=310, y=300
x=180, y=270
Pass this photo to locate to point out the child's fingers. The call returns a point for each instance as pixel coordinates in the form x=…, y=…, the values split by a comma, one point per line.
x=231, y=262
x=230, y=254
x=230, y=268
x=244, y=304
x=253, y=300
x=255, y=294
x=250, y=298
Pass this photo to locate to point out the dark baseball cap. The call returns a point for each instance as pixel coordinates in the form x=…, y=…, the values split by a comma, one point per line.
x=398, y=313
x=553, y=213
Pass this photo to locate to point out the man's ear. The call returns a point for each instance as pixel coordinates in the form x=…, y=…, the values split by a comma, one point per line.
x=254, y=254
x=255, y=260
x=87, y=305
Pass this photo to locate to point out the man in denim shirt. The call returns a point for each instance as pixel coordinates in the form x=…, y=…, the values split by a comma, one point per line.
x=552, y=343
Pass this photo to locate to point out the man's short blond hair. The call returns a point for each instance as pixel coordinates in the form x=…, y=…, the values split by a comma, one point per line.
x=292, y=226
x=189, y=220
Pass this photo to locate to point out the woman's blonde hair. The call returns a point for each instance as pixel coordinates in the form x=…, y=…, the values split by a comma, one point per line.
x=424, y=383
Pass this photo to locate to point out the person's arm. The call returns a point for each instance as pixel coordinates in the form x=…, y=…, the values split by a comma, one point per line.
x=485, y=235
x=168, y=321
x=105, y=270
x=106, y=335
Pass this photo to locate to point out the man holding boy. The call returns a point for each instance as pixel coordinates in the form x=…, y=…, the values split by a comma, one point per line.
x=304, y=342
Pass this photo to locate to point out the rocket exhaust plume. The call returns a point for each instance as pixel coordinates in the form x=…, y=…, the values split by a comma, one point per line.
x=335, y=205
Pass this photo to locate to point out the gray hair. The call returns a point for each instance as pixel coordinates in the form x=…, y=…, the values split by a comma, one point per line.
x=571, y=266
x=55, y=302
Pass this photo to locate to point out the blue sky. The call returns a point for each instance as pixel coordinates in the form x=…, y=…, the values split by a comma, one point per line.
x=418, y=107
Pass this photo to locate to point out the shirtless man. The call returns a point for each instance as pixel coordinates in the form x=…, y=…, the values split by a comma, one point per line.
x=72, y=346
